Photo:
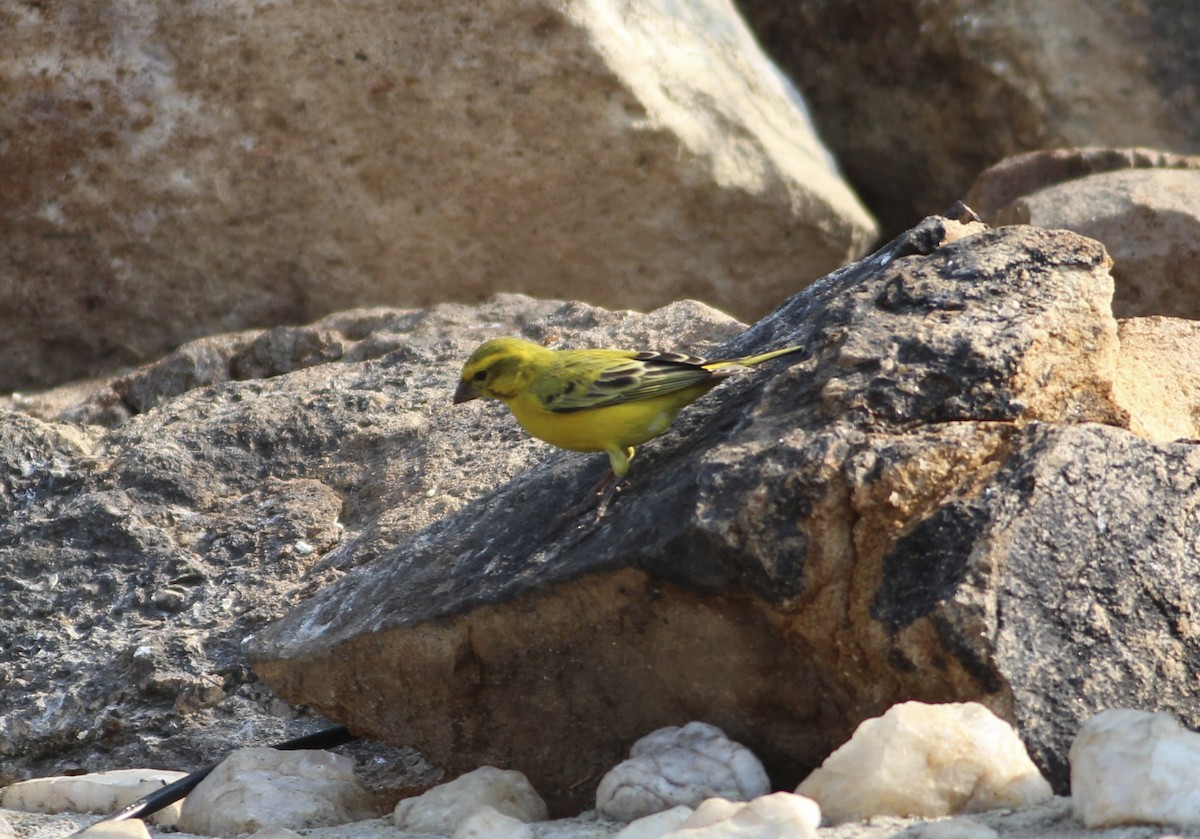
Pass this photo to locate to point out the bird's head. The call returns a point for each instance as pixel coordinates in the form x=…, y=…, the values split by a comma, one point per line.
x=500, y=369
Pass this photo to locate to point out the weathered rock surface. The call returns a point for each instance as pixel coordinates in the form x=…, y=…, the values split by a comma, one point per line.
x=97, y=792
x=1134, y=767
x=944, y=502
x=260, y=787
x=1144, y=207
x=244, y=473
x=174, y=171
x=679, y=766
x=447, y=807
x=930, y=761
x=916, y=98
x=766, y=817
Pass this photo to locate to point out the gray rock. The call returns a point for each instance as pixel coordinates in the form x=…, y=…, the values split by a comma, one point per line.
x=136, y=558
x=934, y=505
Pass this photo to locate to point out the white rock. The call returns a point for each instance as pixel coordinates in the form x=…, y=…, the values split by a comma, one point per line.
x=260, y=787
x=444, y=808
x=1130, y=767
x=679, y=766
x=775, y=816
x=928, y=761
x=655, y=826
x=128, y=829
x=275, y=833
x=489, y=823
x=959, y=828
x=96, y=792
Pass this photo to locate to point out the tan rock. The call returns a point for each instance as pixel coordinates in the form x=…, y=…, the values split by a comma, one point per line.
x=184, y=170
x=1147, y=218
x=917, y=98
x=1158, y=377
x=95, y=792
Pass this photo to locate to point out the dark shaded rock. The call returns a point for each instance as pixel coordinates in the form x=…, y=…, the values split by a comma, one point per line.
x=809, y=545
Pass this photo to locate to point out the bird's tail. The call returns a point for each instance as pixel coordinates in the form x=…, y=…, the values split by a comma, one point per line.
x=751, y=360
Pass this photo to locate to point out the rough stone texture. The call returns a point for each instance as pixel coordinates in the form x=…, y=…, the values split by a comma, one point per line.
x=766, y=817
x=446, y=807
x=927, y=760
x=97, y=792
x=129, y=829
x=916, y=98
x=942, y=502
x=1157, y=373
x=171, y=170
x=1051, y=821
x=489, y=823
x=1023, y=174
x=1148, y=219
x=260, y=787
x=679, y=766
x=137, y=558
x=655, y=826
x=1133, y=767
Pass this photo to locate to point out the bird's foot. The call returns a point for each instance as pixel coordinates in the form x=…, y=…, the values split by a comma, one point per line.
x=600, y=497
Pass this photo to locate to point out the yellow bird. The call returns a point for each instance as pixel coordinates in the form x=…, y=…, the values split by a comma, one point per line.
x=593, y=400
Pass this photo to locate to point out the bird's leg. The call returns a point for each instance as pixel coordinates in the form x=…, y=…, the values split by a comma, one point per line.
x=603, y=491
x=610, y=484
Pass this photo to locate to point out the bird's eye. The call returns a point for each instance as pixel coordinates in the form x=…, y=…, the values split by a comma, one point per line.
x=480, y=376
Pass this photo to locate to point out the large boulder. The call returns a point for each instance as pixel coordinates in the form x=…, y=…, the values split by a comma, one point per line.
x=943, y=501
x=151, y=521
x=171, y=171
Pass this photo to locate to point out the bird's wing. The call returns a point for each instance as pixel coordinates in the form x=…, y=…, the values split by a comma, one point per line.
x=585, y=380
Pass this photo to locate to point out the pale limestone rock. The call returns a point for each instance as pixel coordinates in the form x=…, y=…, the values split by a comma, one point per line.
x=1135, y=767
x=674, y=766
x=260, y=787
x=928, y=761
x=446, y=807
x=97, y=792
x=185, y=170
x=489, y=823
x=655, y=825
x=128, y=829
x=766, y=817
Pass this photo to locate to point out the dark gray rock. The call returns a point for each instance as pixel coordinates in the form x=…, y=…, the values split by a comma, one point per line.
x=810, y=544
x=241, y=474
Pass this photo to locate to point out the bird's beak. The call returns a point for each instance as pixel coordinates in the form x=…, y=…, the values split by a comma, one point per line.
x=464, y=393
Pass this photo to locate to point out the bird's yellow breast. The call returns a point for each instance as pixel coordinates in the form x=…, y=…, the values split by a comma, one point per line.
x=602, y=429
